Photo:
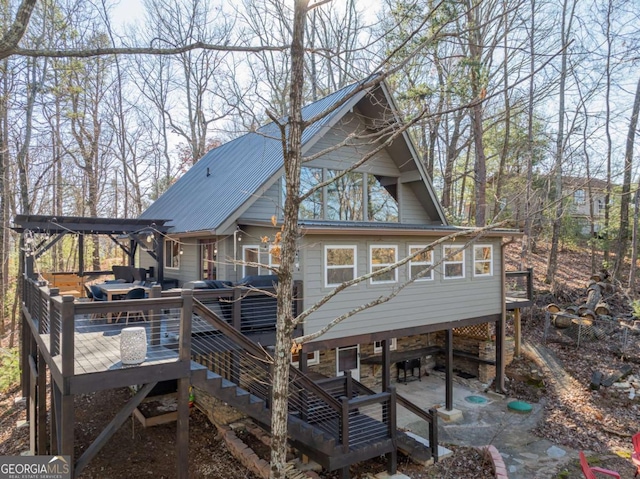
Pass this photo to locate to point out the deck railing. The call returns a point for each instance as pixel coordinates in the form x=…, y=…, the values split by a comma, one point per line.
x=249, y=310
x=520, y=284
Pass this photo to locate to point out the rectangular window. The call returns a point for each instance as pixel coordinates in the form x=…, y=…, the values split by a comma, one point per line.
x=380, y=257
x=420, y=262
x=377, y=346
x=483, y=260
x=172, y=253
x=345, y=196
x=579, y=197
x=312, y=358
x=453, y=261
x=250, y=254
x=311, y=208
x=208, y=253
x=339, y=264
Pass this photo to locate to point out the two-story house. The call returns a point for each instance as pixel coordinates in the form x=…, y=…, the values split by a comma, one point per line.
x=384, y=210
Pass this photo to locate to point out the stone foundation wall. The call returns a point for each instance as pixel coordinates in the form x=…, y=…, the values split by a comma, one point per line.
x=371, y=374
x=482, y=348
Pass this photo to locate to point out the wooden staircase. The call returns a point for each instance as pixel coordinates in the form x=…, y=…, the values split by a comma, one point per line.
x=333, y=432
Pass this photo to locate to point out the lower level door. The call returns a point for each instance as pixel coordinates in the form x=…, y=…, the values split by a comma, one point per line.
x=348, y=358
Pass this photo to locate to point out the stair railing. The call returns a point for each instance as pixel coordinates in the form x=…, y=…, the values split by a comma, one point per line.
x=350, y=420
x=431, y=417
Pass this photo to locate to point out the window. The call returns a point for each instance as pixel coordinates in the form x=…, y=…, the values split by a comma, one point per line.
x=382, y=204
x=380, y=257
x=208, y=253
x=312, y=358
x=377, y=346
x=172, y=253
x=250, y=254
x=599, y=205
x=420, y=262
x=345, y=197
x=578, y=197
x=311, y=207
x=339, y=264
x=453, y=261
x=483, y=260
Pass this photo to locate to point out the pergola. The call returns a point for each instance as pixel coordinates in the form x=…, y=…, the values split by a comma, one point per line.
x=54, y=228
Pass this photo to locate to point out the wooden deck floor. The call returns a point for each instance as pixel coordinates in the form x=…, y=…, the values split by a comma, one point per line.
x=100, y=351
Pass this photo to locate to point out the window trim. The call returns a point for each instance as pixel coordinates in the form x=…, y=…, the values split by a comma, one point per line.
x=446, y=262
x=244, y=266
x=326, y=267
x=420, y=263
x=310, y=362
x=392, y=347
x=167, y=249
x=476, y=260
x=373, y=280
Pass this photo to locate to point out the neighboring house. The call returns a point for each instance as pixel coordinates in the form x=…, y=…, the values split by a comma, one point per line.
x=223, y=206
x=583, y=194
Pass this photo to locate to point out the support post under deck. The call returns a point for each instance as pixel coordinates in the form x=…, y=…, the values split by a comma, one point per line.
x=449, y=369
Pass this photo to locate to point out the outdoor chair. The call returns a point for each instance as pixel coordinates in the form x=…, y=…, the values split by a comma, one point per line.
x=88, y=292
x=589, y=472
x=635, y=457
x=135, y=293
x=97, y=294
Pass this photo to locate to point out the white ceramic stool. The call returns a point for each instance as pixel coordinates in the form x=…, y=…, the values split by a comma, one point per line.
x=133, y=345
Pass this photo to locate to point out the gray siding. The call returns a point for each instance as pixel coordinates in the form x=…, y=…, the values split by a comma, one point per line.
x=267, y=205
x=425, y=302
x=411, y=210
x=341, y=158
x=189, y=262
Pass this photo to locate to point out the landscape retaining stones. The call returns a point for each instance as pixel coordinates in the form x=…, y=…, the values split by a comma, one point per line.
x=499, y=468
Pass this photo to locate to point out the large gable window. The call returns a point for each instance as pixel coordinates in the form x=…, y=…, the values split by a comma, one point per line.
x=483, y=260
x=381, y=202
x=312, y=206
x=171, y=254
x=381, y=257
x=453, y=261
x=420, y=262
x=339, y=264
x=345, y=198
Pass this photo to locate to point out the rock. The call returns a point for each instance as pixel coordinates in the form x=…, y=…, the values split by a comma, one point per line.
x=556, y=452
x=622, y=385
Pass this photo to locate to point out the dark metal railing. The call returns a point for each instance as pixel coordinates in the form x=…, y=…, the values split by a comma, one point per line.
x=520, y=284
x=249, y=310
x=331, y=406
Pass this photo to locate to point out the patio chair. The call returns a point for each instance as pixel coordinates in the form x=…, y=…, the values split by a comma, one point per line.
x=98, y=294
x=135, y=293
x=589, y=472
x=635, y=457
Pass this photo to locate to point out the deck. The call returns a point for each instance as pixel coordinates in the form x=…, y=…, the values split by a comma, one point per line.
x=519, y=289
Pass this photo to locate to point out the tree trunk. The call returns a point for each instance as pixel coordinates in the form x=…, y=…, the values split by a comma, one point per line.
x=623, y=233
x=634, y=244
x=552, y=263
x=526, y=238
x=480, y=165
x=292, y=138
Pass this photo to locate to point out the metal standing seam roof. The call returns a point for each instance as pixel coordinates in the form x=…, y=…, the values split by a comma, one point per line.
x=227, y=176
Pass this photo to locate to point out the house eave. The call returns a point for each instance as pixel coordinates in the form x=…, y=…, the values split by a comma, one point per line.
x=394, y=229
